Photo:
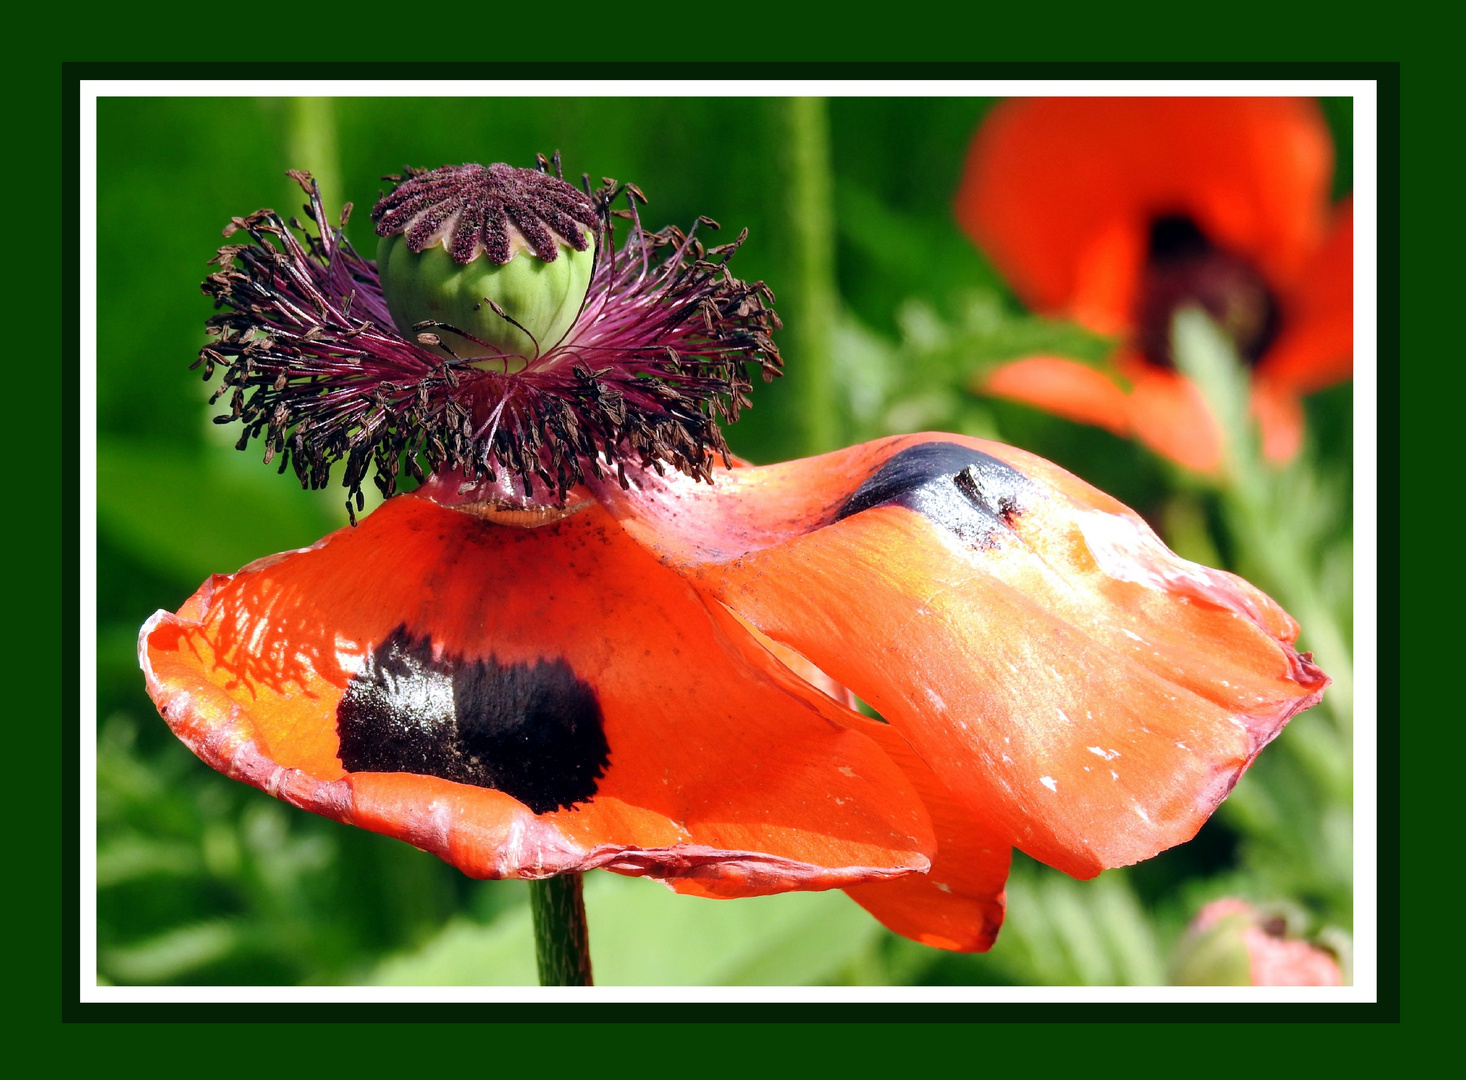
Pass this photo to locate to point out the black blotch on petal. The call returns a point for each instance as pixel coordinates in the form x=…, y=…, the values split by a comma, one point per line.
x=532, y=731
x=973, y=494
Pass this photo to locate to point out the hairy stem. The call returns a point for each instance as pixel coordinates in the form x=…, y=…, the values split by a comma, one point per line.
x=561, y=940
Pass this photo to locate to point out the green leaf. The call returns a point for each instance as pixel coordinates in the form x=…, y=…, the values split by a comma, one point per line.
x=643, y=934
x=194, y=515
x=1061, y=932
x=174, y=953
x=465, y=953
x=132, y=858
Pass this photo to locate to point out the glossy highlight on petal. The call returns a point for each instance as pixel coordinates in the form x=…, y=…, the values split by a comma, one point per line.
x=1086, y=692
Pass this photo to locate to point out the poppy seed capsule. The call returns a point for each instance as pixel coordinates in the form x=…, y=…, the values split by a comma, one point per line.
x=489, y=264
x=635, y=368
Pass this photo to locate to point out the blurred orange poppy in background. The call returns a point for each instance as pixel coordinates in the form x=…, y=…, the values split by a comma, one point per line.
x=1120, y=212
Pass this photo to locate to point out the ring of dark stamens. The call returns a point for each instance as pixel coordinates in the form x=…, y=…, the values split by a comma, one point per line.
x=1184, y=268
x=314, y=368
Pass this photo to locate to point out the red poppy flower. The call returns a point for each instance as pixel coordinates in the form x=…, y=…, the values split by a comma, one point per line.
x=652, y=672
x=1117, y=212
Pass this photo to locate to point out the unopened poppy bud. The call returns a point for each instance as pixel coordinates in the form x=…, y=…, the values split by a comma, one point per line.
x=489, y=264
x=1232, y=944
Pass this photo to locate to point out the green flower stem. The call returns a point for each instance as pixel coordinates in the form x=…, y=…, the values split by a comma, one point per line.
x=811, y=311
x=561, y=940
x=310, y=144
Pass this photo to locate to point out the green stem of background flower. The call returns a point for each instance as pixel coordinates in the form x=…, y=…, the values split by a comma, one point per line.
x=1254, y=529
x=1253, y=505
x=561, y=940
x=810, y=306
x=310, y=144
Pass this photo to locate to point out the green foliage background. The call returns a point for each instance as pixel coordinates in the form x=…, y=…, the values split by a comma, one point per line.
x=203, y=880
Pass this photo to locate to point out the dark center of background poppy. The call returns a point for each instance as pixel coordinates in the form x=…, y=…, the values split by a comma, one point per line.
x=1183, y=268
x=532, y=731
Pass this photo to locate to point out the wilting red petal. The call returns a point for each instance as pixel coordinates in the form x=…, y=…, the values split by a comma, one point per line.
x=1060, y=192
x=1164, y=409
x=1087, y=693
x=1316, y=346
x=959, y=904
x=1063, y=387
x=722, y=765
x=796, y=663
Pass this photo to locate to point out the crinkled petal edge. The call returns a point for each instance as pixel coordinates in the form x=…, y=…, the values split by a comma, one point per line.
x=510, y=842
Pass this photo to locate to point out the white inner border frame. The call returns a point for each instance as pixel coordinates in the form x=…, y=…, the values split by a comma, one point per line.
x=1366, y=551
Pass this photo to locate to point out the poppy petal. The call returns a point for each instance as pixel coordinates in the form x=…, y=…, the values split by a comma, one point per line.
x=1089, y=694
x=1060, y=192
x=1316, y=346
x=1169, y=414
x=1063, y=387
x=959, y=903
x=383, y=678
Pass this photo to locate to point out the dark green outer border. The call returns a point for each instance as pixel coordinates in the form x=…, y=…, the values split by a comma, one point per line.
x=1388, y=77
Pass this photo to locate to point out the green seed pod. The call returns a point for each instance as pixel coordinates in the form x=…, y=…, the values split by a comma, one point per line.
x=543, y=298
x=486, y=263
